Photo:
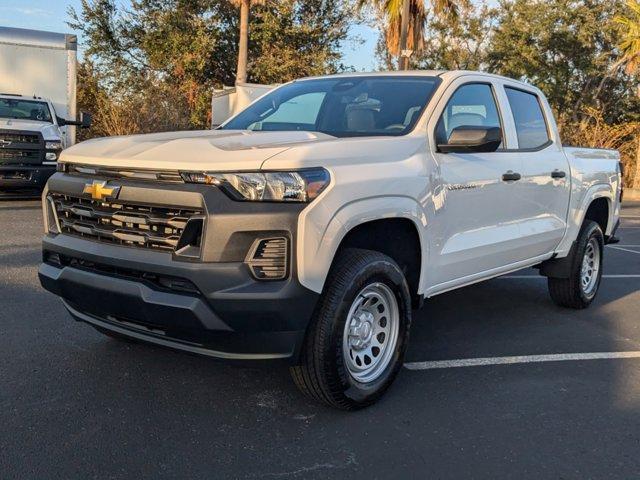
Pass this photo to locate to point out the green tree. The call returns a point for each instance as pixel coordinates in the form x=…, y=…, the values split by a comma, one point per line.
x=399, y=35
x=293, y=38
x=172, y=53
x=630, y=44
x=567, y=48
x=243, y=41
x=629, y=23
x=460, y=43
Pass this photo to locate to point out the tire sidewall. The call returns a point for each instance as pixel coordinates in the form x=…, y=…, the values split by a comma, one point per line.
x=388, y=273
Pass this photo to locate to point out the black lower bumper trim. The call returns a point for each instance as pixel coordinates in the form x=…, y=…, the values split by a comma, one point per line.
x=158, y=339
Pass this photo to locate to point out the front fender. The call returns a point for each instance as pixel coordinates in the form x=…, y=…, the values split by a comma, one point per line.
x=320, y=232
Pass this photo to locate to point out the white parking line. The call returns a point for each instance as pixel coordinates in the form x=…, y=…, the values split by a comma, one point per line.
x=616, y=247
x=543, y=277
x=481, y=362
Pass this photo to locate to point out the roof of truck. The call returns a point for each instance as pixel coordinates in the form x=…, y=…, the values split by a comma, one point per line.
x=412, y=73
x=444, y=74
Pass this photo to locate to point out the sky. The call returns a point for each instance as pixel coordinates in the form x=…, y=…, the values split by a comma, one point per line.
x=51, y=15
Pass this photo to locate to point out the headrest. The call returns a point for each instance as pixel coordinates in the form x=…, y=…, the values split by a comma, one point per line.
x=360, y=119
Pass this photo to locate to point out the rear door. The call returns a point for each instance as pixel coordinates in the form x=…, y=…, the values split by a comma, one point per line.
x=542, y=194
x=473, y=229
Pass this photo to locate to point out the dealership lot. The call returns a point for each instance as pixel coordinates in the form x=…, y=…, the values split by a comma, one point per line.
x=75, y=404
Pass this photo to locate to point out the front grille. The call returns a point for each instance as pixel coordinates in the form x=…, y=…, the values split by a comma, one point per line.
x=19, y=154
x=21, y=148
x=15, y=175
x=20, y=138
x=122, y=223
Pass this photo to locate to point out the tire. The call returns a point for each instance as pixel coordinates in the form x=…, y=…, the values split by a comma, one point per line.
x=366, y=287
x=575, y=291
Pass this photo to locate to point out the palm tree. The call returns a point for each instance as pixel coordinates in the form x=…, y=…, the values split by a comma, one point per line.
x=405, y=20
x=243, y=42
x=630, y=56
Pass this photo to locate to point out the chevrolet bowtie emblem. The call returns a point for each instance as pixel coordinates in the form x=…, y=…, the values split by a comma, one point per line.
x=99, y=191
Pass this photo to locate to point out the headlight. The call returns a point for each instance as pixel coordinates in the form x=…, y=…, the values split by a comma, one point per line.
x=293, y=186
x=53, y=145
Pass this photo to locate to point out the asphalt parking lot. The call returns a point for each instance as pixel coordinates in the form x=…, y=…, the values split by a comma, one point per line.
x=76, y=404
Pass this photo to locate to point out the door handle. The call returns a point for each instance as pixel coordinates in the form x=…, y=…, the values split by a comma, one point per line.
x=558, y=174
x=511, y=176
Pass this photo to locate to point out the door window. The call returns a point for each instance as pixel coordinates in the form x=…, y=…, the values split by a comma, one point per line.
x=531, y=126
x=472, y=104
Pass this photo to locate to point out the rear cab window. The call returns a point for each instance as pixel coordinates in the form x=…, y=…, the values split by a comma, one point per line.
x=531, y=126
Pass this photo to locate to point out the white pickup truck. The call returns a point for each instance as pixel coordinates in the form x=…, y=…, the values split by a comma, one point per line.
x=308, y=226
x=37, y=107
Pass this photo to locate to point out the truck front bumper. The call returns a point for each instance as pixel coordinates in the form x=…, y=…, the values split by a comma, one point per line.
x=227, y=315
x=23, y=180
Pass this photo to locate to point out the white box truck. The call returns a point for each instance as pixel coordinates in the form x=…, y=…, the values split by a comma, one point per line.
x=228, y=101
x=37, y=106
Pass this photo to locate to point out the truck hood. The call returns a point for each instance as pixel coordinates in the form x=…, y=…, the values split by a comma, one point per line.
x=49, y=130
x=209, y=150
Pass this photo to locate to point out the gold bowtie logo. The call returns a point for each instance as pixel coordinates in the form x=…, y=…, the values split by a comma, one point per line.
x=98, y=190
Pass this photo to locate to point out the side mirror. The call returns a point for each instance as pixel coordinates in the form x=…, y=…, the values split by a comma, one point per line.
x=83, y=122
x=85, y=119
x=472, y=139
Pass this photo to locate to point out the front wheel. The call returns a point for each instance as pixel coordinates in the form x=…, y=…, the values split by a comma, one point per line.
x=580, y=288
x=357, y=339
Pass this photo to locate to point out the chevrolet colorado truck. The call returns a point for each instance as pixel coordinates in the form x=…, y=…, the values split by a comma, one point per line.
x=308, y=226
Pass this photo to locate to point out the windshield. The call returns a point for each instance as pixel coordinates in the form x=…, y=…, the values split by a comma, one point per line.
x=24, y=109
x=342, y=107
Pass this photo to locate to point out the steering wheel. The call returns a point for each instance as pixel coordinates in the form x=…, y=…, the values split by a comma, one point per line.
x=395, y=126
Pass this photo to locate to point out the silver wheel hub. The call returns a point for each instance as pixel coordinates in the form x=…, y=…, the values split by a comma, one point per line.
x=371, y=332
x=361, y=329
x=590, y=267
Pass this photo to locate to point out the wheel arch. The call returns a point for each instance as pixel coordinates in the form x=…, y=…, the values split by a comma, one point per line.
x=580, y=203
x=597, y=206
x=373, y=219
x=599, y=210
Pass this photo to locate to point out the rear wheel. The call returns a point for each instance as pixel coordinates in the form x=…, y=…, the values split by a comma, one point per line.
x=580, y=288
x=357, y=339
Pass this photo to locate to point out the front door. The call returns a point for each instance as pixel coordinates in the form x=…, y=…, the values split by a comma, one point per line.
x=474, y=228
